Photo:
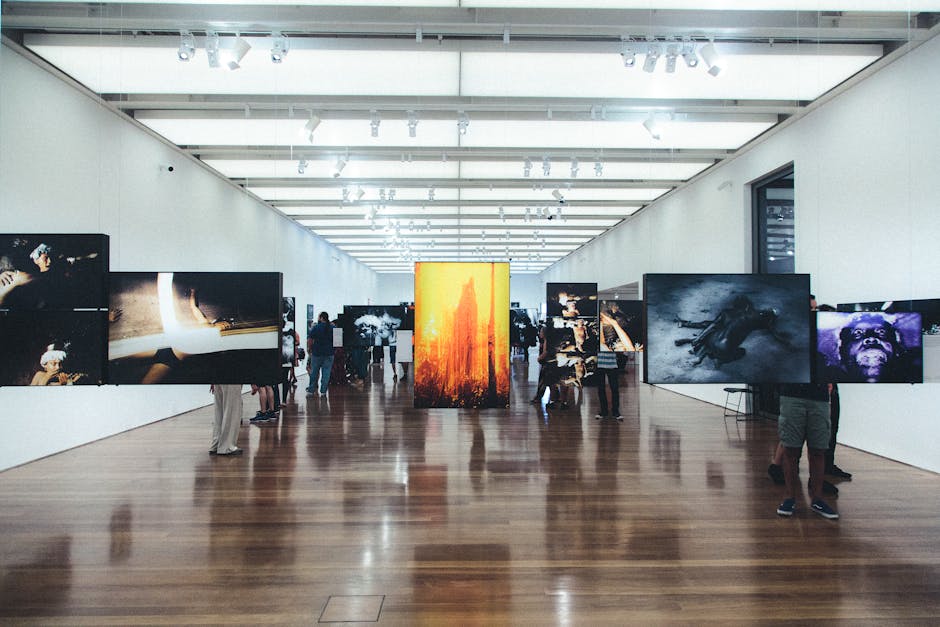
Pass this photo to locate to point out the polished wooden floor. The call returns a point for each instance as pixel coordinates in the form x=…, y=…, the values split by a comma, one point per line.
x=360, y=508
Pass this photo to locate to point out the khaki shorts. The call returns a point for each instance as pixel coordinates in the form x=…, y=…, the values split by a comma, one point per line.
x=803, y=419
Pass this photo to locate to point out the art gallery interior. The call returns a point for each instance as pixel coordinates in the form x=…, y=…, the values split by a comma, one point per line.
x=339, y=144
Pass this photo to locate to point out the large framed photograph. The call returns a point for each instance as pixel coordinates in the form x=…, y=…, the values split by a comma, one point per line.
x=523, y=326
x=53, y=271
x=571, y=300
x=371, y=325
x=288, y=325
x=621, y=325
x=52, y=348
x=195, y=327
x=461, y=334
x=727, y=328
x=868, y=347
x=578, y=335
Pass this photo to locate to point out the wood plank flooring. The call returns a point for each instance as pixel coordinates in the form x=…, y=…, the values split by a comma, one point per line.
x=360, y=508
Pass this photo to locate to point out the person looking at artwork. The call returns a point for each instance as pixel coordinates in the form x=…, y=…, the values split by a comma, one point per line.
x=266, y=399
x=607, y=369
x=227, y=419
x=320, y=348
x=51, y=362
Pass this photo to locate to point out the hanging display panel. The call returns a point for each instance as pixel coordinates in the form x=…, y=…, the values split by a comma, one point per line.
x=371, y=325
x=868, y=347
x=621, y=325
x=52, y=348
x=727, y=328
x=53, y=271
x=195, y=327
x=461, y=334
x=571, y=300
x=288, y=323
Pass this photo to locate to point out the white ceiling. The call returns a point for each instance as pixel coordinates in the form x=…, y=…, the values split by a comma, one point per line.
x=555, y=149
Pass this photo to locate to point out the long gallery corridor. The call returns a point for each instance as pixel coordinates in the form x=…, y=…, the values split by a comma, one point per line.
x=358, y=508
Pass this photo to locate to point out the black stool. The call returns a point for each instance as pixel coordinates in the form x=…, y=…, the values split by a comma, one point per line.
x=734, y=409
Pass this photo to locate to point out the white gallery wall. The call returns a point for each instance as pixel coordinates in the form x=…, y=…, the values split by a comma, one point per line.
x=70, y=165
x=867, y=228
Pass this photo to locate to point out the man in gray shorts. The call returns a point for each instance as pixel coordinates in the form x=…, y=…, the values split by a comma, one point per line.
x=804, y=415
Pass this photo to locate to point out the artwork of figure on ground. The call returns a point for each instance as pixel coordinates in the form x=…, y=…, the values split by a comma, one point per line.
x=868, y=347
x=461, y=335
x=727, y=328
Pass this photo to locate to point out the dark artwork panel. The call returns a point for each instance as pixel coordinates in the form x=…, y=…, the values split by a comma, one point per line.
x=53, y=271
x=52, y=348
x=868, y=347
x=288, y=324
x=571, y=300
x=408, y=324
x=575, y=369
x=621, y=324
x=370, y=325
x=523, y=330
x=928, y=308
x=579, y=335
x=195, y=327
x=727, y=328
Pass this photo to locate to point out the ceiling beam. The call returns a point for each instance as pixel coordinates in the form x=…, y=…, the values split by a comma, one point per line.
x=444, y=183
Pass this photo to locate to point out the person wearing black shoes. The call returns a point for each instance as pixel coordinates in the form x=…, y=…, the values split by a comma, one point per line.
x=831, y=469
x=607, y=370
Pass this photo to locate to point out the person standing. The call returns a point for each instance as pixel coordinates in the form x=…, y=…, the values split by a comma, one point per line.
x=227, y=418
x=320, y=344
x=607, y=369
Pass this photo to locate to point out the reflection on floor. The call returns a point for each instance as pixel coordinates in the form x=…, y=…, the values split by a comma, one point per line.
x=357, y=506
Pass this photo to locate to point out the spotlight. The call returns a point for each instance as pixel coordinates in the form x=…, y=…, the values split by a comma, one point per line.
x=558, y=196
x=672, y=55
x=212, y=48
x=412, y=124
x=391, y=195
x=598, y=168
x=345, y=194
x=279, y=47
x=528, y=215
x=338, y=168
x=239, y=49
x=546, y=166
x=431, y=193
x=374, y=122
x=359, y=194
x=653, y=51
x=463, y=122
x=651, y=127
x=311, y=126
x=688, y=53
x=527, y=167
x=419, y=35
x=574, y=167
x=628, y=52
x=301, y=166
x=502, y=215
x=187, y=49
x=712, y=58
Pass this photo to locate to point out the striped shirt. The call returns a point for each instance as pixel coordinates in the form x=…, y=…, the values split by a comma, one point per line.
x=607, y=360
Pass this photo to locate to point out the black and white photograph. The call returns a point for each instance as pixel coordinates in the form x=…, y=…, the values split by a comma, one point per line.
x=53, y=271
x=727, y=328
x=579, y=335
x=523, y=327
x=52, y=348
x=371, y=325
x=868, y=347
x=571, y=300
x=195, y=327
x=288, y=323
x=621, y=325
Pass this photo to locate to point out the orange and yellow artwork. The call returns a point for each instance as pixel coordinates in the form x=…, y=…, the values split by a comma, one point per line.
x=461, y=334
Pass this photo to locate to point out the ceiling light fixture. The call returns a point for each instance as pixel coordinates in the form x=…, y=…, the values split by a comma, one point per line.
x=374, y=122
x=187, y=49
x=240, y=48
x=431, y=193
x=338, y=168
x=412, y=124
x=653, y=51
x=279, y=47
x=419, y=35
x=628, y=52
x=712, y=58
x=463, y=122
x=527, y=167
x=311, y=126
x=506, y=35
x=302, y=166
x=651, y=127
x=359, y=194
x=212, y=48
x=574, y=167
x=672, y=56
x=688, y=53
x=598, y=168
x=546, y=166
x=558, y=196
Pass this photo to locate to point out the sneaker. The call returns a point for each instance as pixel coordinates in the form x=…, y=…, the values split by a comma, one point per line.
x=838, y=473
x=600, y=417
x=828, y=488
x=551, y=405
x=820, y=507
x=259, y=417
x=272, y=415
x=618, y=417
x=776, y=473
x=787, y=507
